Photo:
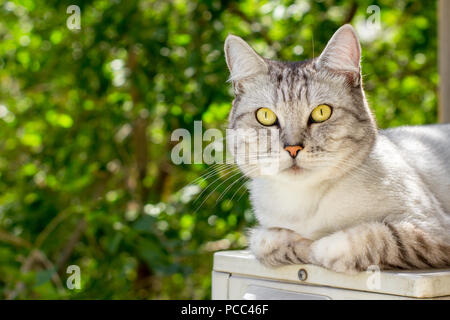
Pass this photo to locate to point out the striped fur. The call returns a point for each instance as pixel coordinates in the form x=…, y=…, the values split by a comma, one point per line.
x=388, y=245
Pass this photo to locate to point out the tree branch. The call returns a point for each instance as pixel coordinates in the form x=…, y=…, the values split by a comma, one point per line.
x=12, y=239
x=70, y=246
x=351, y=13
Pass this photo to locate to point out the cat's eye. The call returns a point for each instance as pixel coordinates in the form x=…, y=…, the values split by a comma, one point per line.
x=266, y=117
x=321, y=113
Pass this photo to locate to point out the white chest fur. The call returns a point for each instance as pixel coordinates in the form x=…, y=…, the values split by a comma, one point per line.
x=310, y=211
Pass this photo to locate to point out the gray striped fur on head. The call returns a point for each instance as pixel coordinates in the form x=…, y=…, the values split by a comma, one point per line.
x=292, y=90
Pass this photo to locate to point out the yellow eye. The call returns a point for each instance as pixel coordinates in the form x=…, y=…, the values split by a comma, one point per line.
x=266, y=116
x=321, y=113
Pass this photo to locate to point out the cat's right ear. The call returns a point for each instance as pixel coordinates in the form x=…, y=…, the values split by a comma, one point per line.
x=242, y=60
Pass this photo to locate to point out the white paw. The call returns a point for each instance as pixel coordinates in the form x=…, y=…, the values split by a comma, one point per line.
x=263, y=241
x=277, y=246
x=334, y=252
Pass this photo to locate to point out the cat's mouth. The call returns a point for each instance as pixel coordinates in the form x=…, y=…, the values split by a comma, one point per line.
x=295, y=169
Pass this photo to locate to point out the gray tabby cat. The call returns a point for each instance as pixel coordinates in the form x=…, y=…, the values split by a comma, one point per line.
x=346, y=195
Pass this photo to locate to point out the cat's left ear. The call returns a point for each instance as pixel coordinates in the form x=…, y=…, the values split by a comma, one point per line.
x=343, y=52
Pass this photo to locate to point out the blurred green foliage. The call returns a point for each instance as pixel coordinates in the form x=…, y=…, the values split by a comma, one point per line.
x=86, y=118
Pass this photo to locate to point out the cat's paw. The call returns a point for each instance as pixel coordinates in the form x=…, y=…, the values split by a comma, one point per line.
x=278, y=246
x=336, y=252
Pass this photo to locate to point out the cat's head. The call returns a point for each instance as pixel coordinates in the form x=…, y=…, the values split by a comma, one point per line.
x=317, y=107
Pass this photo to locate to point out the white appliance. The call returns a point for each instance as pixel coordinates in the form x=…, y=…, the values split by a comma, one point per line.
x=238, y=275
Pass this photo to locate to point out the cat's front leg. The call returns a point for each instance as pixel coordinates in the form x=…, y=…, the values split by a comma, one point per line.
x=395, y=245
x=279, y=246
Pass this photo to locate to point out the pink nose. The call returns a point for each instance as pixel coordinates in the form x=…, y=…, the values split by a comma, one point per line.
x=293, y=150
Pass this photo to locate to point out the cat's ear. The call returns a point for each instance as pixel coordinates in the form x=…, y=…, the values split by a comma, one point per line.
x=242, y=60
x=343, y=52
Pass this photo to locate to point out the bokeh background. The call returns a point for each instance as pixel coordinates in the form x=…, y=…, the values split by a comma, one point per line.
x=86, y=116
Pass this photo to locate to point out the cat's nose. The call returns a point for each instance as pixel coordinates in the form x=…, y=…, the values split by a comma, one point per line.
x=293, y=150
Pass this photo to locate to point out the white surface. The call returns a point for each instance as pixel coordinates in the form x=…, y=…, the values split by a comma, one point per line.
x=246, y=288
x=267, y=292
x=220, y=285
x=416, y=284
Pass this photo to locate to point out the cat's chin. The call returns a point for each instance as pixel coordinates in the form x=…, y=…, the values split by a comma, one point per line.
x=286, y=171
x=294, y=170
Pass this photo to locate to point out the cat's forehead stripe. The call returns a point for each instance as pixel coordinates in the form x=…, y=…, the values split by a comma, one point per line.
x=291, y=82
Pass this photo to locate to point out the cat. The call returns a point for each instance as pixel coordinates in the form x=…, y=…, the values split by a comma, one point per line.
x=346, y=196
